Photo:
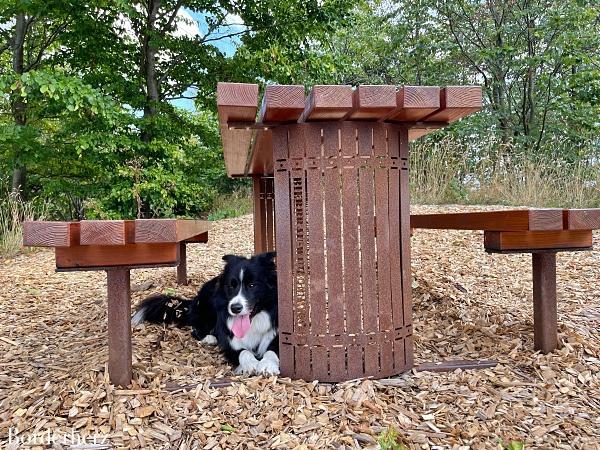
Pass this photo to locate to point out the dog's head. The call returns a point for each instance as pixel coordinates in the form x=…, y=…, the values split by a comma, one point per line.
x=249, y=287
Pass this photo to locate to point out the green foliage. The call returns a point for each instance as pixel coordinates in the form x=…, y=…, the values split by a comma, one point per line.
x=388, y=440
x=235, y=204
x=512, y=445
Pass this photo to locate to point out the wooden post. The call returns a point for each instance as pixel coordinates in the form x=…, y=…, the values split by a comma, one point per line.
x=119, y=326
x=182, y=278
x=544, y=302
x=260, y=238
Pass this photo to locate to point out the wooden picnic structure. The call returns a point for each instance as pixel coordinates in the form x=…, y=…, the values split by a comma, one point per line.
x=117, y=246
x=331, y=196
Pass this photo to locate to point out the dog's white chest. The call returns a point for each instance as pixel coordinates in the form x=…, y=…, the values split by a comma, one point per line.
x=258, y=337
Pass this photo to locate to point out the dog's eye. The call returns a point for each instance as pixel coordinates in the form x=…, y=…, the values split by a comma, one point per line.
x=251, y=285
x=233, y=283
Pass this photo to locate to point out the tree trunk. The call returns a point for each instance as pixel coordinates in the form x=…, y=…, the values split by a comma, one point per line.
x=149, y=68
x=18, y=107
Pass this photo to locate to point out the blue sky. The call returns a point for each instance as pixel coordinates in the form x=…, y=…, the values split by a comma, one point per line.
x=226, y=45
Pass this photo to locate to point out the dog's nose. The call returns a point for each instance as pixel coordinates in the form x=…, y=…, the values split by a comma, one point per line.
x=236, y=308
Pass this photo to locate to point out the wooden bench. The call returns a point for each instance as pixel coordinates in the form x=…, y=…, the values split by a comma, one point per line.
x=541, y=232
x=117, y=246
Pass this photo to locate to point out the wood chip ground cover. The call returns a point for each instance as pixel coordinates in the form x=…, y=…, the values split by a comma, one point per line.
x=468, y=305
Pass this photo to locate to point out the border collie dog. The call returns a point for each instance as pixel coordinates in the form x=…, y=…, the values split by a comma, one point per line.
x=236, y=310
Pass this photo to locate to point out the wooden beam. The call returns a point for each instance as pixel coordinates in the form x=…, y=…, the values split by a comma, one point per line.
x=236, y=102
x=168, y=230
x=582, y=219
x=107, y=232
x=545, y=322
x=42, y=233
x=101, y=256
x=536, y=240
x=327, y=102
x=413, y=103
x=201, y=238
x=513, y=220
x=182, y=278
x=282, y=103
x=372, y=102
x=456, y=102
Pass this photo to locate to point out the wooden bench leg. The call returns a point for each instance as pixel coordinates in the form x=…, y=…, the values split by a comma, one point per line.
x=182, y=278
x=119, y=326
x=545, y=324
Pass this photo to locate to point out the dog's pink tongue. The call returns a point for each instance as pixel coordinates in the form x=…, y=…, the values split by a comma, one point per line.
x=241, y=325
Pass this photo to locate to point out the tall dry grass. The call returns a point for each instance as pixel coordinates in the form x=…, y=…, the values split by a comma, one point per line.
x=447, y=172
x=13, y=211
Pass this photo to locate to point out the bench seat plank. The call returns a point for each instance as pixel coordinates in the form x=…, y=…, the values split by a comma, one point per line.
x=168, y=230
x=107, y=232
x=510, y=220
x=537, y=240
x=41, y=233
x=582, y=219
x=103, y=256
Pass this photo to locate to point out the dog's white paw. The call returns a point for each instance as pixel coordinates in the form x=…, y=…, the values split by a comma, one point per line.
x=209, y=339
x=269, y=364
x=248, y=363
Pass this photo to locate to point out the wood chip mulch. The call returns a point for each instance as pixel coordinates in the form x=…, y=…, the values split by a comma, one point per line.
x=468, y=305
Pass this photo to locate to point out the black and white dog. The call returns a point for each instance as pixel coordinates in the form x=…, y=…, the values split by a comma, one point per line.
x=236, y=310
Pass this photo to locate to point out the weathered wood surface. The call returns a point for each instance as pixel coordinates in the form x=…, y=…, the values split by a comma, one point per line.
x=168, y=230
x=107, y=232
x=582, y=219
x=119, y=327
x=327, y=102
x=537, y=240
x=413, y=103
x=450, y=366
x=513, y=220
x=50, y=234
x=372, y=102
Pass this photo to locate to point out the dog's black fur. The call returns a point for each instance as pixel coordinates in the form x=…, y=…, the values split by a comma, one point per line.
x=208, y=313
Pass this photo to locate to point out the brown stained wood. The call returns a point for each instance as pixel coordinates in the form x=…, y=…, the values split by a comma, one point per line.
x=270, y=206
x=372, y=102
x=107, y=232
x=545, y=322
x=282, y=103
x=413, y=103
x=450, y=366
x=168, y=230
x=406, y=274
x=200, y=238
x=260, y=228
x=536, y=240
x=182, y=278
x=327, y=102
x=50, y=234
x=236, y=102
x=456, y=102
x=515, y=220
x=284, y=255
x=90, y=256
x=582, y=219
x=119, y=327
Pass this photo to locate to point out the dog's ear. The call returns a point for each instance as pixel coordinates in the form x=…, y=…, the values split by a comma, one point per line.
x=267, y=258
x=231, y=258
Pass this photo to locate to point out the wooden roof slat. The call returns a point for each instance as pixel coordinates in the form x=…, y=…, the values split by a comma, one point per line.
x=107, y=232
x=582, y=219
x=512, y=220
x=168, y=230
x=456, y=102
x=42, y=233
x=236, y=102
x=370, y=102
x=327, y=102
x=282, y=103
x=537, y=240
x=413, y=103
